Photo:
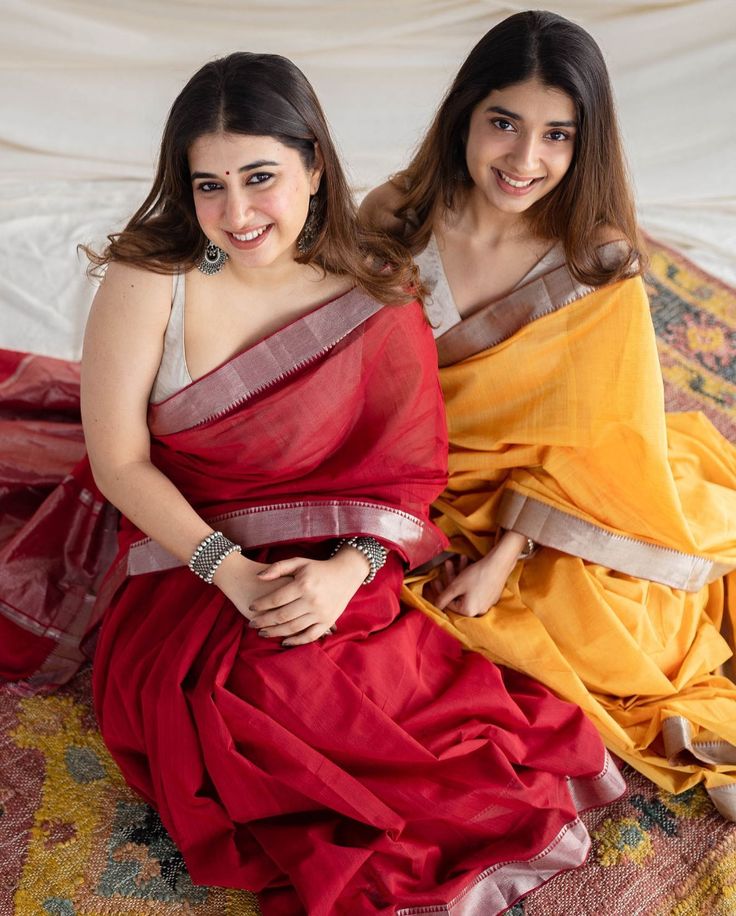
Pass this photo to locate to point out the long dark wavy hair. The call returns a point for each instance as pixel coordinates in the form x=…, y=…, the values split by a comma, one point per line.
x=257, y=95
x=596, y=190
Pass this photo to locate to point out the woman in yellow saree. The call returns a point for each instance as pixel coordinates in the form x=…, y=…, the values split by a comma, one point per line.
x=593, y=537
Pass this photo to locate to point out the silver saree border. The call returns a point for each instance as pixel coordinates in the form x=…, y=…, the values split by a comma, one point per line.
x=569, y=534
x=304, y=520
x=502, y=318
x=499, y=886
x=496, y=889
x=724, y=800
x=680, y=747
x=266, y=363
x=609, y=783
x=682, y=750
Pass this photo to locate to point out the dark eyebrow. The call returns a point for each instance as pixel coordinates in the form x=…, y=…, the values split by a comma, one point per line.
x=258, y=164
x=517, y=117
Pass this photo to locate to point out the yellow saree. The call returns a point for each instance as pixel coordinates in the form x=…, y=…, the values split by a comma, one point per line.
x=558, y=431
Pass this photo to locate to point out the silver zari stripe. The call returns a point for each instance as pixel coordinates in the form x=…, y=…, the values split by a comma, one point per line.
x=680, y=747
x=262, y=365
x=724, y=799
x=501, y=319
x=498, y=887
x=495, y=889
x=301, y=521
x=553, y=528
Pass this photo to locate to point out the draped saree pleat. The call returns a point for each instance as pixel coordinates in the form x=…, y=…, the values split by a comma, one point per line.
x=558, y=431
x=383, y=769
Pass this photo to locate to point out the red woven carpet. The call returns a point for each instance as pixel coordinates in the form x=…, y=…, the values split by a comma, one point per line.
x=74, y=841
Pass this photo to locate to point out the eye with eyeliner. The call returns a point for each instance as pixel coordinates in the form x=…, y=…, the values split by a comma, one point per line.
x=506, y=126
x=257, y=178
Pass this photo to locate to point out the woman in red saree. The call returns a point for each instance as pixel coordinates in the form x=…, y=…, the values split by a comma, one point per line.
x=375, y=766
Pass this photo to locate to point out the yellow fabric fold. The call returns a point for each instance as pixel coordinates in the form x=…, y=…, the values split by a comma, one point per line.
x=569, y=413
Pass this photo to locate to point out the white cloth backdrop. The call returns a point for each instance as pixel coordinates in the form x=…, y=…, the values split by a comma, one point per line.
x=86, y=85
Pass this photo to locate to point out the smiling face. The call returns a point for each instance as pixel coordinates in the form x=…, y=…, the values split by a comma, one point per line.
x=521, y=141
x=251, y=195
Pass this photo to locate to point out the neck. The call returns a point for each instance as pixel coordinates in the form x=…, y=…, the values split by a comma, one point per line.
x=487, y=225
x=278, y=276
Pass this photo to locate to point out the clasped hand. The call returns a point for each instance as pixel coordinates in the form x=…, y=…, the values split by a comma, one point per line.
x=297, y=599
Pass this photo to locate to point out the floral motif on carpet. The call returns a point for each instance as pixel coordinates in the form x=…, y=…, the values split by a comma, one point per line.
x=695, y=320
x=76, y=840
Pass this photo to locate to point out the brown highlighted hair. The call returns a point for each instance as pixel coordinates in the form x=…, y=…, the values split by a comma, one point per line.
x=595, y=192
x=257, y=95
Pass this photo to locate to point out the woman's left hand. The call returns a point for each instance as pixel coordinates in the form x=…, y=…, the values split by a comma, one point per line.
x=305, y=609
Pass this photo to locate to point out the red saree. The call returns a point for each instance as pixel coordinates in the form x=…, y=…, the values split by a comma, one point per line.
x=383, y=769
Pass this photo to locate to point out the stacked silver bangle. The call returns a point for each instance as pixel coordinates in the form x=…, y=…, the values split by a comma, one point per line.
x=209, y=553
x=372, y=550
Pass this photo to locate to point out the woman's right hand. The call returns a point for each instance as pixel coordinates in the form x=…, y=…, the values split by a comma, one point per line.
x=237, y=578
x=478, y=586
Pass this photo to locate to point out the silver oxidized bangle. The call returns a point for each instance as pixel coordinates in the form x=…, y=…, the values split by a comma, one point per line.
x=372, y=550
x=209, y=553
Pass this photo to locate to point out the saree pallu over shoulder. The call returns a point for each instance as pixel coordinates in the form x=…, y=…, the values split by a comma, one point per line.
x=322, y=479
x=303, y=394
x=546, y=293
x=588, y=459
x=558, y=431
x=262, y=365
x=345, y=776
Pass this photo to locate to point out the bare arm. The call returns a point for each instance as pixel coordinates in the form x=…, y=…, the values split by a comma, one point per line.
x=122, y=352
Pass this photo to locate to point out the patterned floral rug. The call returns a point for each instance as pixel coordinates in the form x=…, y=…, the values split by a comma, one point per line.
x=74, y=841
x=695, y=319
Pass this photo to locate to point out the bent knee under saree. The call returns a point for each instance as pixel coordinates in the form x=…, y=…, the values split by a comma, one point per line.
x=383, y=769
x=557, y=430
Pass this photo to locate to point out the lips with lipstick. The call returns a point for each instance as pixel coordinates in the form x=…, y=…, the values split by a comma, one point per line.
x=251, y=238
x=514, y=184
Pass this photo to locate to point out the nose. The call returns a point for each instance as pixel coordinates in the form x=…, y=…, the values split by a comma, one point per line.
x=238, y=209
x=525, y=155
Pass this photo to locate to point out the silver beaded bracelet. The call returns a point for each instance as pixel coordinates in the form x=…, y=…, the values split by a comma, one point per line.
x=529, y=550
x=372, y=550
x=209, y=553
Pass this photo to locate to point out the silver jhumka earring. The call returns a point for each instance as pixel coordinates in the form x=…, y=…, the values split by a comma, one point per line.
x=213, y=260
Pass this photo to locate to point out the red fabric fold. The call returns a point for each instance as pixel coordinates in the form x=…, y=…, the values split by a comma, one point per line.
x=380, y=770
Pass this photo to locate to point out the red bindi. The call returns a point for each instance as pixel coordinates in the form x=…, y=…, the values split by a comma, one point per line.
x=227, y=173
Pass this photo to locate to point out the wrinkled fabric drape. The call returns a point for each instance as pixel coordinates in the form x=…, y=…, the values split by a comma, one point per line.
x=57, y=533
x=382, y=769
x=557, y=430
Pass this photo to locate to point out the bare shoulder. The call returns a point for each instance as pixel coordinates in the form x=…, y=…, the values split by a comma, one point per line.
x=378, y=208
x=130, y=300
x=126, y=284
x=126, y=325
